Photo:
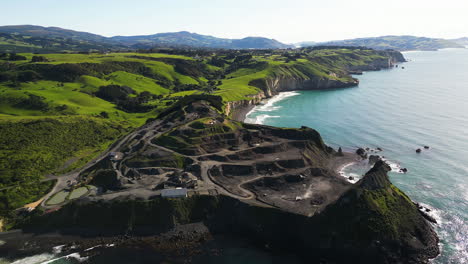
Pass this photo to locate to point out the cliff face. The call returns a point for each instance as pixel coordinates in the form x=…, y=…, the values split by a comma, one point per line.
x=380, y=219
x=238, y=109
x=373, y=222
x=287, y=79
x=282, y=84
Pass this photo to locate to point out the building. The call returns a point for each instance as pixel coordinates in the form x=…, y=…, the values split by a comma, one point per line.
x=114, y=156
x=174, y=193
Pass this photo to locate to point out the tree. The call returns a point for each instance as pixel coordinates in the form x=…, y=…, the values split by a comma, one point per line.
x=16, y=57
x=104, y=114
x=39, y=59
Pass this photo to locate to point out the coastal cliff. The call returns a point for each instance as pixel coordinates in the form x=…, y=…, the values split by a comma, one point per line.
x=300, y=77
x=373, y=222
x=256, y=180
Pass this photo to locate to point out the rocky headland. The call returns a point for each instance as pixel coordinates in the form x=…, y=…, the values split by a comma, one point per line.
x=282, y=81
x=277, y=187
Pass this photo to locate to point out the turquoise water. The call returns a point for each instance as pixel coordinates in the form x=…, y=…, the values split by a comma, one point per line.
x=400, y=110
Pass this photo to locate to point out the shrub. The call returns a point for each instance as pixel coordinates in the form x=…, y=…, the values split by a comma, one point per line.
x=16, y=57
x=33, y=102
x=28, y=76
x=39, y=59
x=114, y=93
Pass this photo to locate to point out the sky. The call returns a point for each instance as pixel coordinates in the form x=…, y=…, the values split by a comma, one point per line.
x=288, y=21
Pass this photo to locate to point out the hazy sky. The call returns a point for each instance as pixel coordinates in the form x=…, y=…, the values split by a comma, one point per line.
x=284, y=20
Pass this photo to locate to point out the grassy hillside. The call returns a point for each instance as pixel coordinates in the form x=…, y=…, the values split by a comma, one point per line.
x=401, y=43
x=32, y=148
x=308, y=63
x=29, y=38
x=58, y=111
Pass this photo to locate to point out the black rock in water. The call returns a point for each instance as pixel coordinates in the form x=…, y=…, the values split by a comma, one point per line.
x=361, y=152
x=340, y=152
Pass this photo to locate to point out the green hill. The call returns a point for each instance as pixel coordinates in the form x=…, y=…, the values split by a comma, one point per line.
x=461, y=41
x=400, y=43
x=185, y=38
x=28, y=38
x=58, y=111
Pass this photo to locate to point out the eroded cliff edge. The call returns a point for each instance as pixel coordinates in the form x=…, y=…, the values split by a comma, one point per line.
x=252, y=177
x=300, y=77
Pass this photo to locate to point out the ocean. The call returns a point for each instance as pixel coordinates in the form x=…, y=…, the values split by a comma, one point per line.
x=423, y=102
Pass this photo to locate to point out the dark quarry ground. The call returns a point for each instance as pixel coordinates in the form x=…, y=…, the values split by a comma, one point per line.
x=208, y=154
x=277, y=187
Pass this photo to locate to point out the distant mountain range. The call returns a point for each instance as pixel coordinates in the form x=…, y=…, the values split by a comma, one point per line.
x=28, y=38
x=400, y=43
x=461, y=41
x=185, y=38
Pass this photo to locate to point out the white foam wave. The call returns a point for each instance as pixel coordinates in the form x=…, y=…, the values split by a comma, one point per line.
x=260, y=119
x=411, y=51
x=42, y=258
x=395, y=166
x=267, y=106
x=73, y=255
x=355, y=177
x=270, y=104
x=434, y=213
x=57, y=249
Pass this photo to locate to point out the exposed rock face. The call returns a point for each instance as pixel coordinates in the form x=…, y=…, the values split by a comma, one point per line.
x=275, y=188
x=373, y=222
x=377, y=177
x=340, y=152
x=362, y=152
x=283, y=84
x=277, y=83
x=238, y=109
x=385, y=221
x=374, y=158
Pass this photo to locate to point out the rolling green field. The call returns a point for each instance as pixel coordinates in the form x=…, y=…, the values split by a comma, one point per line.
x=58, y=111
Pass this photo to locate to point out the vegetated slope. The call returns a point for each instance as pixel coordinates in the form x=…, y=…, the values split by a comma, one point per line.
x=28, y=38
x=30, y=148
x=57, y=114
x=381, y=214
x=308, y=68
x=121, y=90
x=185, y=38
x=400, y=43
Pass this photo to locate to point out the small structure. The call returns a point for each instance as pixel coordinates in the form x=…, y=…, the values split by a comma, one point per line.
x=174, y=193
x=114, y=156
